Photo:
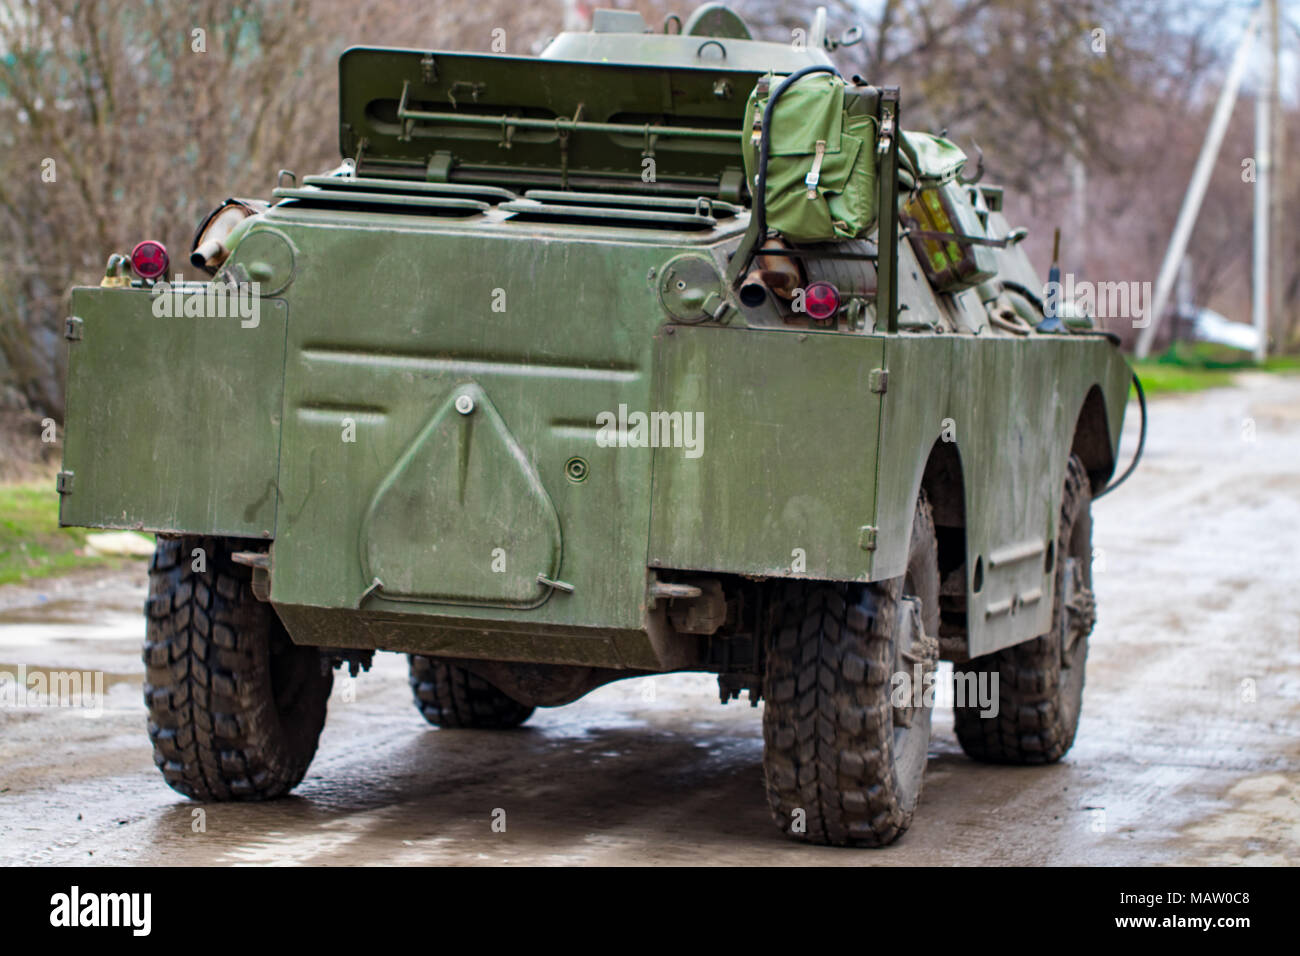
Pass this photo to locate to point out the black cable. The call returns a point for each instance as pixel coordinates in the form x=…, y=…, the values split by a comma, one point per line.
x=1142, y=440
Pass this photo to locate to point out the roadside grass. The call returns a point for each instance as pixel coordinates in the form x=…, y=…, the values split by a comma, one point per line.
x=32, y=545
x=1289, y=364
x=1186, y=367
x=1160, y=379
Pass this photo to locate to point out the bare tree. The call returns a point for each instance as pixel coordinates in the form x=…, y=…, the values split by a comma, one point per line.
x=121, y=120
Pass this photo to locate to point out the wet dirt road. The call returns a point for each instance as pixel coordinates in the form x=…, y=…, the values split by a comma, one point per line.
x=1188, y=751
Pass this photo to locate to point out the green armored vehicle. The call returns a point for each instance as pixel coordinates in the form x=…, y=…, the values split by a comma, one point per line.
x=658, y=352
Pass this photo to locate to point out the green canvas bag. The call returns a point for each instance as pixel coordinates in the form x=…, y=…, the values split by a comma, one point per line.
x=821, y=166
x=929, y=161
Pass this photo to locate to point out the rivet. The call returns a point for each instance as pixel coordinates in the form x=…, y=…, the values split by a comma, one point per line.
x=464, y=404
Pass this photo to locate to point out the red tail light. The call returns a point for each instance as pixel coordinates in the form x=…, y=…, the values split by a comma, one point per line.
x=149, y=259
x=821, y=301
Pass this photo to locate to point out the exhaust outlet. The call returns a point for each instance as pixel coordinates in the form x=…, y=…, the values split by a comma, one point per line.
x=753, y=291
x=777, y=274
x=210, y=254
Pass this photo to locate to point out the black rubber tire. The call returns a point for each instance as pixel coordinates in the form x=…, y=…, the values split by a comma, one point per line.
x=235, y=707
x=1040, y=688
x=835, y=747
x=450, y=696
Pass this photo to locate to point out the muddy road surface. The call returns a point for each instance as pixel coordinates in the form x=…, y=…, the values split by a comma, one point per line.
x=1188, y=751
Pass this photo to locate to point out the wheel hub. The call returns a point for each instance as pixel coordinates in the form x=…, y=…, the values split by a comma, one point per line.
x=1078, y=606
x=912, y=647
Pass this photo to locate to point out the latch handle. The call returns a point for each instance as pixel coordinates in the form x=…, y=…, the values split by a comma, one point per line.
x=556, y=585
x=375, y=587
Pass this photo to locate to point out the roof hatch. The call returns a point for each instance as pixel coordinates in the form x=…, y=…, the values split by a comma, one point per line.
x=524, y=122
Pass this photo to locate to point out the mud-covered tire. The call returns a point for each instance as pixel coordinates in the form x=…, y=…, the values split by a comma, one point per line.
x=235, y=707
x=1040, y=682
x=448, y=695
x=842, y=765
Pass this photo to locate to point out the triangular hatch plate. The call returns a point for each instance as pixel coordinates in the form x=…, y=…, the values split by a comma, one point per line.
x=463, y=517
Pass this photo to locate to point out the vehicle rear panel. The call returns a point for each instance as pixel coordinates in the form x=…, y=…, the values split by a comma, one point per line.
x=457, y=515
x=173, y=422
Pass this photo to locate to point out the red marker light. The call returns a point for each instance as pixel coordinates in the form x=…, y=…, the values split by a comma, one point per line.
x=149, y=259
x=821, y=301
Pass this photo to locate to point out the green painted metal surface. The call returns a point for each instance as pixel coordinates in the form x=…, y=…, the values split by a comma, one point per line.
x=173, y=422
x=1011, y=405
x=399, y=320
x=464, y=487
x=783, y=483
x=504, y=640
x=522, y=121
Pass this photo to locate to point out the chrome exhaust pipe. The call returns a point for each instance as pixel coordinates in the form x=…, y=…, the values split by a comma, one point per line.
x=209, y=254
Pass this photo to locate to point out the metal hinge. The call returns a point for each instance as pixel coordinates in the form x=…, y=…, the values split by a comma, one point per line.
x=72, y=328
x=63, y=483
x=428, y=69
x=880, y=380
x=669, y=590
x=884, y=140
x=260, y=562
x=867, y=538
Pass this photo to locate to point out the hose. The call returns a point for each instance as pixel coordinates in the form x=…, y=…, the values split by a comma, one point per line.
x=1142, y=441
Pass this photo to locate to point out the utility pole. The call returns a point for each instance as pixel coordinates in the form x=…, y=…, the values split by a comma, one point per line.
x=1186, y=298
x=1283, y=190
x=1197, y=187
x=1261, y=288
